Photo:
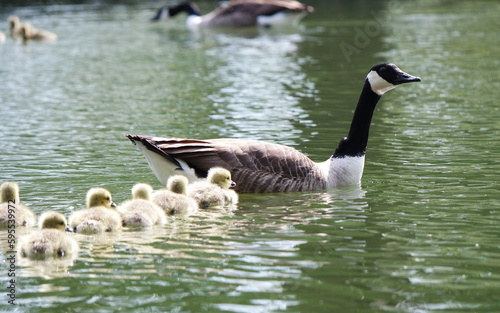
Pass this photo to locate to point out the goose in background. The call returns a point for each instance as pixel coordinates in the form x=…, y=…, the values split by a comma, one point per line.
x=10, y=206
x=14, y=26
x=174, y=200
x=215, y=190
x=258, y=166
x=239, y=13
x=98, y=216
x=28, y=32
x=141, y=211
x=50, y=241
x=2, y=37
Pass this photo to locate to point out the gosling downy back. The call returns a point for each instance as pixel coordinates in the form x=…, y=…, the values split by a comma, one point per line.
x=141, y=211
x=174, y=200
x=12, y=212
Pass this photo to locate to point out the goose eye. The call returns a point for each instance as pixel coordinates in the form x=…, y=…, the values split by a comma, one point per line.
x=382, y=70
x=108, y=199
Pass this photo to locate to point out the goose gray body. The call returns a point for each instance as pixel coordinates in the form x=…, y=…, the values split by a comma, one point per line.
x=258, y=166
x=238, y=13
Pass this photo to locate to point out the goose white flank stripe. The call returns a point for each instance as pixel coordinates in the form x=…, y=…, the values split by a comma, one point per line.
x=258, y=166
x=239, y=13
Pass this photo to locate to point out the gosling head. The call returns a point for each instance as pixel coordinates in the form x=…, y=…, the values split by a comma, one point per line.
x=13, y=22
x=26, y=30
x=9, y=192
x=386, y=76
x=169, y=12
x=178, y=184
x=142, y=191
x=221, y=177
x=54, y=220
x=99, y=197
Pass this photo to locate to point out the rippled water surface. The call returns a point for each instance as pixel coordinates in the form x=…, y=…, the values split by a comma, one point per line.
x=421, y=233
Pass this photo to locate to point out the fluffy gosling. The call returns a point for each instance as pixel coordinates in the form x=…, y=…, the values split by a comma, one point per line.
x=14, y=26
x=141, y=211
x=12, y=212
x=50, y=241
x=215, y=190
x=174, y=200
x=98, y=217
x=28, y=32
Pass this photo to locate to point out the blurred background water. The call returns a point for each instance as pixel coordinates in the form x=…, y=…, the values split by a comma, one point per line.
x=420, y=234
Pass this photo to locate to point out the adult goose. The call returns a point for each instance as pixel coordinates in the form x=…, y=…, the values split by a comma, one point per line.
x=239, y=13
x=258, y=166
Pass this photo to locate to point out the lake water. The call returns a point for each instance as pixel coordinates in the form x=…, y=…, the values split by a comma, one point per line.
x=421, y=234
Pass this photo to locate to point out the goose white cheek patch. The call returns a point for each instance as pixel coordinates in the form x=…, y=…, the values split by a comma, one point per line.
x=378, y=84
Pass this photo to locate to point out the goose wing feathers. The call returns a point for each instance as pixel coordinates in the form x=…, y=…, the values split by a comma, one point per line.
x=255, y=166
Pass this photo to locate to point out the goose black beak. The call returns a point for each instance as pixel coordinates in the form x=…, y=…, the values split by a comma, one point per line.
x=113, y=205
x=68, y=229
x=233, y=184
x=406, y=78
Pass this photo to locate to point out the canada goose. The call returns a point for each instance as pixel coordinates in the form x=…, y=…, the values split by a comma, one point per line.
x=98, y=216
x=215, y=190
x=28, y=32
x=174, y=200
x=12, y=212
x=14, y=26
x=141, y=211
x=50, y=241
x=258, y=166
x=239, y=13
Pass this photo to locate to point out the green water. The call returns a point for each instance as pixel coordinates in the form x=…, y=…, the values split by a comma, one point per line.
x=421, y=234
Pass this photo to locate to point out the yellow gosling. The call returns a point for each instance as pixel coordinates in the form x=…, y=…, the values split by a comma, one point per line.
x=28, y=32
x=98, y=216
x=12, y=212
x=174, y=200
x=141, y=211
x=215, y=190
x=14, y=26
x=50, y=241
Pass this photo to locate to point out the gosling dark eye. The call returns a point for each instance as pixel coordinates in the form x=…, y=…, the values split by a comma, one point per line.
x=108, y=198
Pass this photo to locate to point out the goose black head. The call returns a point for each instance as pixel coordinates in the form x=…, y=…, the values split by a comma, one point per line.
x=167, y=12
x=386, y=76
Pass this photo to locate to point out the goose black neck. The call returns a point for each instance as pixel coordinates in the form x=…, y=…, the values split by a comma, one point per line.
x=354, y=144
x=188, y=7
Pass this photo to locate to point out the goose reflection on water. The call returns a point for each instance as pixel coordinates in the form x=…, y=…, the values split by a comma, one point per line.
x=256, y=76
